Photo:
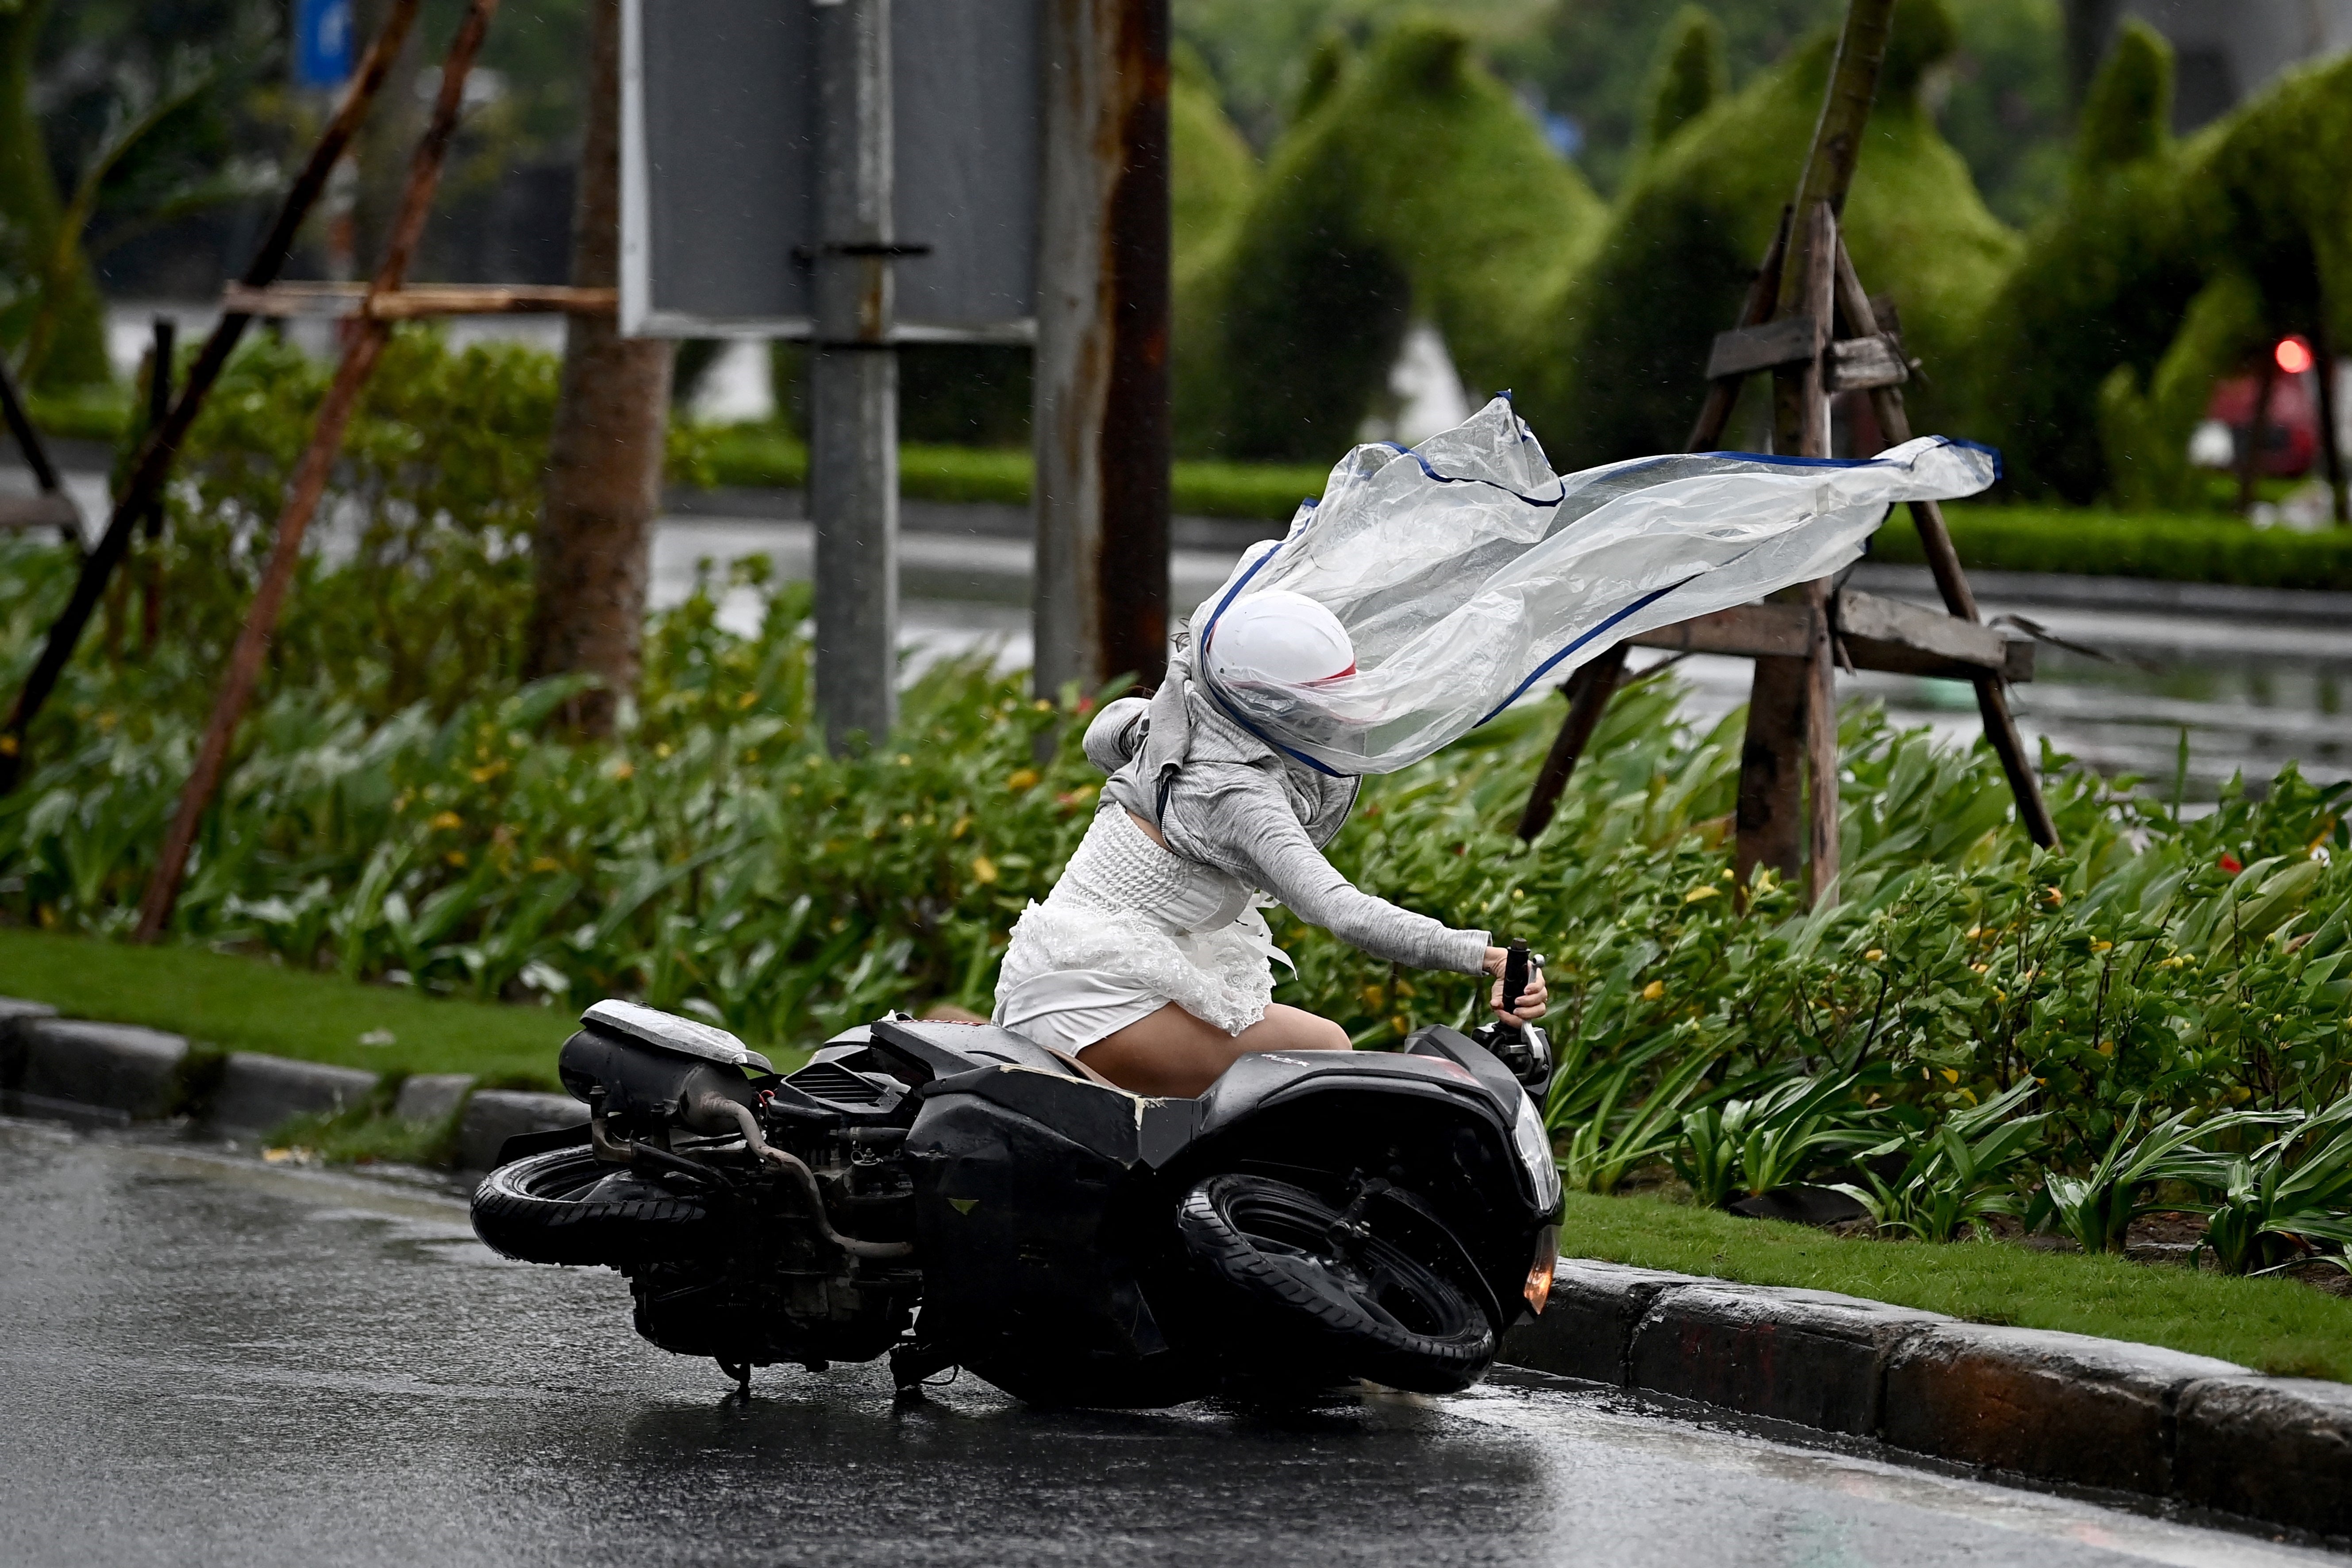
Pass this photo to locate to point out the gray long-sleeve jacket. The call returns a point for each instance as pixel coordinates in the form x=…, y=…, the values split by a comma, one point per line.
x=1220, y=796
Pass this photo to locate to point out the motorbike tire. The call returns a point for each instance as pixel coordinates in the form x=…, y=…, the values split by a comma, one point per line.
x=566, y=1205
x=1380, y=1314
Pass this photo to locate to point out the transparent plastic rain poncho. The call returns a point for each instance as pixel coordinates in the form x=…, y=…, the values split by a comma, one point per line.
x=1465, y=570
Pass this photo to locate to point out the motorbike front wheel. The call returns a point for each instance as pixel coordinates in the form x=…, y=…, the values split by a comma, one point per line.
x=566, y=1205
x=1366, y=1306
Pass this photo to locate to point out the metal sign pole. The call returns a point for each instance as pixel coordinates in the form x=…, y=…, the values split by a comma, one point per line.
x=854, y=377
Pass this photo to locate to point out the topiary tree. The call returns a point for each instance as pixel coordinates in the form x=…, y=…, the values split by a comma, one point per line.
x=40, y=258
x=1692, y=74
x=1623, y=350
x=2144, y=435
x=2168, y=265
x=1211, y=174
x=2277, y=204
x=1416, y=186
x=2102, y=283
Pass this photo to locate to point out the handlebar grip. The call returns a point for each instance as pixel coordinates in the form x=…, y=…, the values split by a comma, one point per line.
x=1515, y=973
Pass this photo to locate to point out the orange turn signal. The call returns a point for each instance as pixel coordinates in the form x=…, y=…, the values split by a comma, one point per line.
x=1539, y=1272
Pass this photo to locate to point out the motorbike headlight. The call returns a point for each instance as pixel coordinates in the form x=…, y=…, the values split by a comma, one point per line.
x=1535, y=1152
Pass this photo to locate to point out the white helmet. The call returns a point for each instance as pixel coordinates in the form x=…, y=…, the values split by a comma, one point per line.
x=1278, y=638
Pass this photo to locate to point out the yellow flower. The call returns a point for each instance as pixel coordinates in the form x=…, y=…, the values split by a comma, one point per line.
x=961, y=824
x=2055, y=896
x=1951, y=1075
x=1975, y=931
x=546, y=862
x=1695, y=894
x=1653, y=990
x=483, y=775
x=456, y=858
x=748, y=698
x=904, y=760
x=1372, y=997
x=663, y=749
x=983, y=870
x=445, y=823
x=2101, y=946
x=1874, y=955
x=1022, y=778
x=2106, y=1048
x=2239, y=1094
x=1402, y=1024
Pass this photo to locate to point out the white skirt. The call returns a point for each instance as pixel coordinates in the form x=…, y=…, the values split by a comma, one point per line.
x=1105, y=949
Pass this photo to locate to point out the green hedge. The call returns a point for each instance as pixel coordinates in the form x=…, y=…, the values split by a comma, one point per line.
x=766, y=456
x=2171, y=548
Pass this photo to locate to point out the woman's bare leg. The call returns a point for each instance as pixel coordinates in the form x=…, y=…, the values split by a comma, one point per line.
x=1175, y=1055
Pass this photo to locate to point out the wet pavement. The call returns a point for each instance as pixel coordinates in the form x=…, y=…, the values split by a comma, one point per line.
x=208, y=1360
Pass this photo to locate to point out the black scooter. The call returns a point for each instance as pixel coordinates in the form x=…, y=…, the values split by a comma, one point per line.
x=955, y=1195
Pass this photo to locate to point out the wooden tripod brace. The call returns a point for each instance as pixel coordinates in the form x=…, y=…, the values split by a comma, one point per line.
x=1798, y=639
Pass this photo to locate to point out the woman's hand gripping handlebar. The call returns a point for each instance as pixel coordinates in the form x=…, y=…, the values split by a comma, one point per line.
x=1519, y=995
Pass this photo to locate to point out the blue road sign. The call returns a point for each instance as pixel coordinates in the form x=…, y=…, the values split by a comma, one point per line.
x=322, y=43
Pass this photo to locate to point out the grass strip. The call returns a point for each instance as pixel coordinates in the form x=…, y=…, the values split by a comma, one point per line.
x=249, y=1004
x=2274, y=1325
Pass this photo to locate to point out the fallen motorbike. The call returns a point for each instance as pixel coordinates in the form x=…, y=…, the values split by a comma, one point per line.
x=954, y=1195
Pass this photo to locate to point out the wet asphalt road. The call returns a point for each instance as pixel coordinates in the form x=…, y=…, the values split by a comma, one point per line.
x=205, y=1360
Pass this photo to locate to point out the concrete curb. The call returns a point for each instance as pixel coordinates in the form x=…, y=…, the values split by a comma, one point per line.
x=115, y=1074
x=104, y=1072
x=257, y=1092
x=2058, y=1408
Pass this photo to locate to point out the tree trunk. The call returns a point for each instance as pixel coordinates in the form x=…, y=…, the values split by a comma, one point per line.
x=31, y=208
x=605, y=464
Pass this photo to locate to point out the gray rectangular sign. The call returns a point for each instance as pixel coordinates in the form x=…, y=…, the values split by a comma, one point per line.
x=719, y=183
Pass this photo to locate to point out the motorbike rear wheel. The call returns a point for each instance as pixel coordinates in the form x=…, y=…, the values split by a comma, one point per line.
x=1366, y=1307
x=566, y=1205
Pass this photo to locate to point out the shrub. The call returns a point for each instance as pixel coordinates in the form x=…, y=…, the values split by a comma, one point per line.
x=1622, y=351
x=417, y=581
x=1417, y=186
x=2167, y=266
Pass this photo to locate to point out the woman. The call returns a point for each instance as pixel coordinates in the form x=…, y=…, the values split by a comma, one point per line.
x=1149, y=961
x=1464, y=573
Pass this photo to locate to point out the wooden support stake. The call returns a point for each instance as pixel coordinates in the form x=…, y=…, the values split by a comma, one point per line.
x=1821, y=753
x=1771, y=760
x=158, y=409
x=2330, y=433
x=153, y=459
x=1792, y=708
x=1706, y=434
x=361, y=350
x=36, y=457
x=1588, y=691
x=1944, y=565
